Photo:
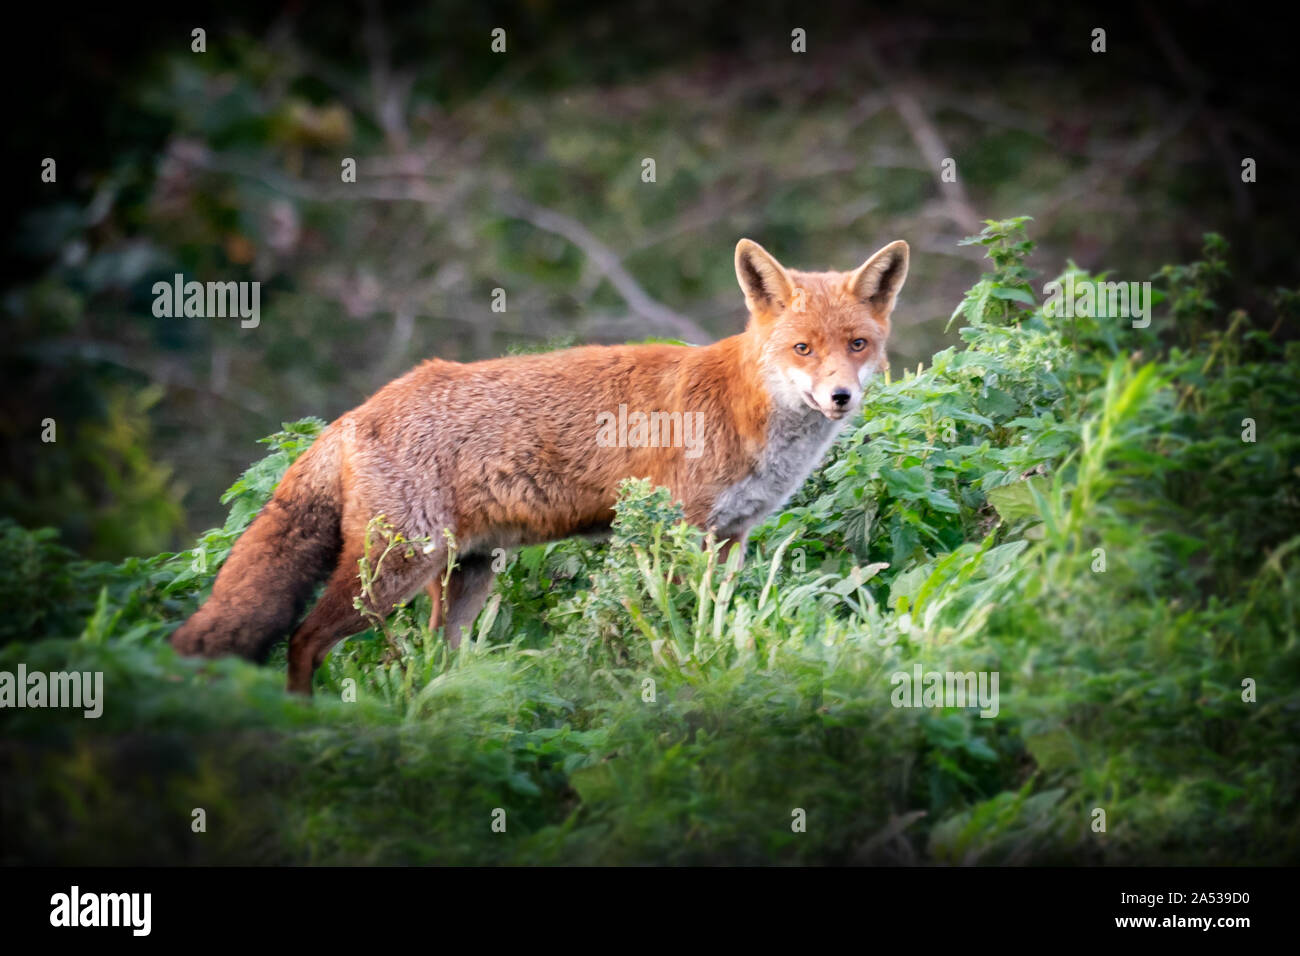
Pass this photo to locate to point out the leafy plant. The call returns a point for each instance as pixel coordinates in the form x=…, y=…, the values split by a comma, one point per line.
x=1103, y=516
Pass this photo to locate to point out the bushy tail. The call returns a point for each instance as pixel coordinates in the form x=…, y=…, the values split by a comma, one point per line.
x=288, y=549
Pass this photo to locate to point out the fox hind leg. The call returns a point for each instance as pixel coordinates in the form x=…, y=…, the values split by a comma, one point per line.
x=435, y=596
x=467, y=588
x=470, y=584
x=335, y=617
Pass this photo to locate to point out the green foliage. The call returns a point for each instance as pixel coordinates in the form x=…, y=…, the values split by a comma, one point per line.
x=1067, y=502
x=122, y=498
x=44, y=587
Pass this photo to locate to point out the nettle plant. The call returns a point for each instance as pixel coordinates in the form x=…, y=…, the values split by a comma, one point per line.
x=1105, y=515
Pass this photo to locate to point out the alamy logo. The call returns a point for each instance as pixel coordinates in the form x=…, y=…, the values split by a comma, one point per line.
x=1095, y=299
x=84, y=689
x=102, y=909
x=208, y=300
x=653, y=430
x=946, y=689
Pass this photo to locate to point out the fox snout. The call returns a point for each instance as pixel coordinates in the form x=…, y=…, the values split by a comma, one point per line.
x=836, y=401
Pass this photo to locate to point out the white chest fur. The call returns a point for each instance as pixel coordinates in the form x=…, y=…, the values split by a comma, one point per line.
x=796, y=444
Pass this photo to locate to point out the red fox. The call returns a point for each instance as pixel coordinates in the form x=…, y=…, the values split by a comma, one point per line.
x=522, y=450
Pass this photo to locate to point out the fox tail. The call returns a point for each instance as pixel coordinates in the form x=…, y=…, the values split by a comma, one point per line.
x=264, y=584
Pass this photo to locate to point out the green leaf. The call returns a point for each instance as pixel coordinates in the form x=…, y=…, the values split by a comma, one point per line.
x=1015, y=501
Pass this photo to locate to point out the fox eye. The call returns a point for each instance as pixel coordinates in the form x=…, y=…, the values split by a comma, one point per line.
x=858, y=345
x=803, y=349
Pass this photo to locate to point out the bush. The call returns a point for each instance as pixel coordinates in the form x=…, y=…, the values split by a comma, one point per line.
x=1079, y=507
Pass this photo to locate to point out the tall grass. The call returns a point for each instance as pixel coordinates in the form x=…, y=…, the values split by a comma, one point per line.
x=1067, y=502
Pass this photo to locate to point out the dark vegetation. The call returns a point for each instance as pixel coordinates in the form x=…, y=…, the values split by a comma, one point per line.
x=1071, y=503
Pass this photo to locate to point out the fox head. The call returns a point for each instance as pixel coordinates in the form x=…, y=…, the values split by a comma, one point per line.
x=821, y=335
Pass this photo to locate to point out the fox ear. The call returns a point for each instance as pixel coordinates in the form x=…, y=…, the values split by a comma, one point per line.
x=877, y=281
x=764, y=281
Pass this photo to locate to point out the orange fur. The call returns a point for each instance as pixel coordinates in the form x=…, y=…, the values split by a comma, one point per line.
x=505, y=453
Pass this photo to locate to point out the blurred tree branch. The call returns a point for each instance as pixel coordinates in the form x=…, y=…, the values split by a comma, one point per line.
x=927, y=140
x=609, y=264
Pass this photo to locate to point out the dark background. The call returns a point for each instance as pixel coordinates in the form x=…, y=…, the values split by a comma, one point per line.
x=522, y=171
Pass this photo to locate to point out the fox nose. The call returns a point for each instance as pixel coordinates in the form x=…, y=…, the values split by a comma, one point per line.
x=841, y=397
